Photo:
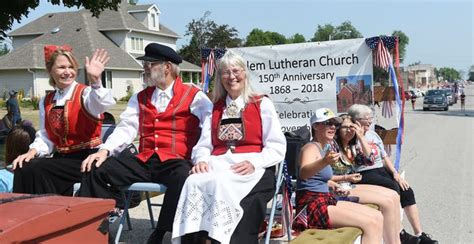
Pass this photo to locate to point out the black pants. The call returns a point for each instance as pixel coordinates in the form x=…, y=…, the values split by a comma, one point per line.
x=254, y=206
x=116, y=173
x=50, y=175
x=381, y=177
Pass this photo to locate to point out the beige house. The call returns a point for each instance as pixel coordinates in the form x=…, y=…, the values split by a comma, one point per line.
x=123, y=33
x=422, y=75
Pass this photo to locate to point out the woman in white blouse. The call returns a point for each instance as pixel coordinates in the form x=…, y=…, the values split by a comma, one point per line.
x=233, y=176
x=70, y=125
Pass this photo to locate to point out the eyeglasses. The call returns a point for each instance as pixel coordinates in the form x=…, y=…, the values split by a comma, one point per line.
x=235, y=72
x=369, y=119
x=329, y=123
x=150, y=64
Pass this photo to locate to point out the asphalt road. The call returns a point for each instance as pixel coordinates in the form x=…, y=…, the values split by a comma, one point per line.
x=438, y=163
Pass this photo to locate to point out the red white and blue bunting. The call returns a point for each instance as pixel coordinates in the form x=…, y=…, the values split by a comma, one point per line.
x=382, y=58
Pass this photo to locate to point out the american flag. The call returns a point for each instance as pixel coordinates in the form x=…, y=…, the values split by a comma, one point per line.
x=287, y=207
x=382, y=56
x=302, y=217
x=211, y=64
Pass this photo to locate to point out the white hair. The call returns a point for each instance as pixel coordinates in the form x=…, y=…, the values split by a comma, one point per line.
x=359, y=111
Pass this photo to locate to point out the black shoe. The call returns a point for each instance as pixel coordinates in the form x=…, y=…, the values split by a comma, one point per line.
x=406, y=238
x=426, y=239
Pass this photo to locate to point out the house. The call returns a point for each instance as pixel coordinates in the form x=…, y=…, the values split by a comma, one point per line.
x=352, y=93
x=123, y=33
x=423, y=75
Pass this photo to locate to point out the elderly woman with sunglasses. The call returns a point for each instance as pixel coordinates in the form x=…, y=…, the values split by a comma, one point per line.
x=355, y=151
x=383, y=173
x=322, y=209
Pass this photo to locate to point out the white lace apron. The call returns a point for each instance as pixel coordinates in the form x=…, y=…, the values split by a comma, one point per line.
x=211, y=201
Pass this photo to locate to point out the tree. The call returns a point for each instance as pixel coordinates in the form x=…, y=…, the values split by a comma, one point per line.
x=258, y=37
x=15, y=10
x=297, y=38
x=403, y=41
x=343, y=31
x=449, y=74
x=206, y=33
x=4, y=50
x=471, y=73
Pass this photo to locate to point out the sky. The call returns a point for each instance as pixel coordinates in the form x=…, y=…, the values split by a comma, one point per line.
x=441, y=32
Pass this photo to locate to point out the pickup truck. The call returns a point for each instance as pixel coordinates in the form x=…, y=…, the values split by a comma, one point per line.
x=435, y=99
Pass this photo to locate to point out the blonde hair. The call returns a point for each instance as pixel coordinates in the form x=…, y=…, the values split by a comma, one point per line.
x=231, y=58
x=52, y=60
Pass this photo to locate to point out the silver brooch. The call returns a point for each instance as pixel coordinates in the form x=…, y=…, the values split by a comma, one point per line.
x=232, y=110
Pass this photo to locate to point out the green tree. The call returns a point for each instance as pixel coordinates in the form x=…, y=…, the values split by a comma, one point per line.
x=449, y=74
x=344, y=31
x=206, y=33
x=257, y=37
x=403, y=41
x=16, y=10
x=4, y=50
x=296, y=38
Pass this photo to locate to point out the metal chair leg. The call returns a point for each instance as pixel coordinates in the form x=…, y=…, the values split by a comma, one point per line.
x=150, y=211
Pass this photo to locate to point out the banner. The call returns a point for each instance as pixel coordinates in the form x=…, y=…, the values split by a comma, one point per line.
x=303, y=77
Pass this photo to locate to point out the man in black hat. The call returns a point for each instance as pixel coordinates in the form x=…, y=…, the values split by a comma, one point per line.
x=13, y=109
x=168, y=115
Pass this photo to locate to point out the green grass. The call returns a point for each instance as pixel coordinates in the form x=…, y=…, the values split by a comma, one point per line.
x=33, y=115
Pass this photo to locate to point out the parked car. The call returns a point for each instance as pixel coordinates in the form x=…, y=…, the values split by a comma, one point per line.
x=435, y=99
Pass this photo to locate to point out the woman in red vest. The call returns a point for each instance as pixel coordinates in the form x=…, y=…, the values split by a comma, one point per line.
x=70, y=125
x=233, y=176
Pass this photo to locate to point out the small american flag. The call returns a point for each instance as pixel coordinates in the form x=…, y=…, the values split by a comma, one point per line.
x=302, y=217
x=287, y=207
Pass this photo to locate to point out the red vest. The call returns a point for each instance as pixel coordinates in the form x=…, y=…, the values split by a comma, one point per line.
x=174, y=132
x=71, y=129
x=251, y=124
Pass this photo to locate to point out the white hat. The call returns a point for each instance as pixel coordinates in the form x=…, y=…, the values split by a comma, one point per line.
x=324, y=114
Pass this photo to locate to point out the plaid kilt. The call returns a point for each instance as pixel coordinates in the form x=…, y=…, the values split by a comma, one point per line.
x=317, y=209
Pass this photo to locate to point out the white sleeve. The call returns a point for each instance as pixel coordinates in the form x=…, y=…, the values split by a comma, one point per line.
x=126, y=131
x=202, y=150
x=97, y=100
x=274, y=142
x=43, y=145
x=201, y=107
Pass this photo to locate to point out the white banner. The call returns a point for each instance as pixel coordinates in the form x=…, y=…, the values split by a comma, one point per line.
x=303, y=77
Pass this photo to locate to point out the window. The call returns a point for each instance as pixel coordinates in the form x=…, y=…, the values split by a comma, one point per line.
x=107, y=79
x=153, y=20
x=137, y=43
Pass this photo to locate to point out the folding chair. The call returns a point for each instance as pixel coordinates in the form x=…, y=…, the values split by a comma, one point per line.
x=128, y=191
x=279, y=180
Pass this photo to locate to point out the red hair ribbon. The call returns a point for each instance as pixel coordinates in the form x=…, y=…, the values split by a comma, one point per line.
x=50, y=49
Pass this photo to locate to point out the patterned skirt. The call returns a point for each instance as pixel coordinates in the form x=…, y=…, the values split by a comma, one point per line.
x=312, y=210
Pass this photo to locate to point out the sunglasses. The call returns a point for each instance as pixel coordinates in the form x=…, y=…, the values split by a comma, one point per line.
x=329, y=123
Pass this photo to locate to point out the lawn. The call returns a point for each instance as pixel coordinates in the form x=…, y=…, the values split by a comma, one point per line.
x=33, y=115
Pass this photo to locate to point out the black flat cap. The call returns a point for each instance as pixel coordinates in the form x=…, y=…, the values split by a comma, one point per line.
x=158, y=52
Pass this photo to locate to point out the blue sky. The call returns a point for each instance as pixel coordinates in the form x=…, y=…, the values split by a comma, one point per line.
x=441, y=32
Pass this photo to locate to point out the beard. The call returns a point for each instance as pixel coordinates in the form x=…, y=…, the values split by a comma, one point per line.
x=154, y=78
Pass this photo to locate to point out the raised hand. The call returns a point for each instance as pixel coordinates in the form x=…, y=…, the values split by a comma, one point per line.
x=96, y=65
